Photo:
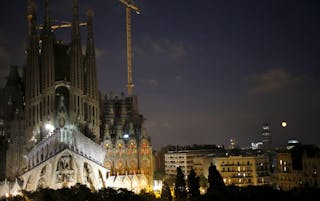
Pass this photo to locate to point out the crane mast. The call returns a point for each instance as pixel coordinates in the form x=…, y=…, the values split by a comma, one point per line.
x=129, y=6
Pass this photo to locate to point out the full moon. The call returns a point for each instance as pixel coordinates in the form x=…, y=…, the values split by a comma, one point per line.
x=284, y=124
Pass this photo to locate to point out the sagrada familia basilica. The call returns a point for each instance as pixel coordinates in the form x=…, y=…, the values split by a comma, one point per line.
x=56, y=130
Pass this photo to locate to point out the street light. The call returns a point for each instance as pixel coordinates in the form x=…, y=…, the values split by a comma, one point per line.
x=49, y=127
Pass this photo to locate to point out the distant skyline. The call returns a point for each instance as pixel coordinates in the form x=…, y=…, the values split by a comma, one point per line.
x=204, y=71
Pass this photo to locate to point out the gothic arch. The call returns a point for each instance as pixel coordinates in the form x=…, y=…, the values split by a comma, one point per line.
x=42, y=181
x=120, y=148
x=120, y=166
x=88, y=175
x=144, y=147
x=101, y=180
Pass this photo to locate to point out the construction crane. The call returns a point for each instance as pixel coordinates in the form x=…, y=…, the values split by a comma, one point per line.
x=129, y=6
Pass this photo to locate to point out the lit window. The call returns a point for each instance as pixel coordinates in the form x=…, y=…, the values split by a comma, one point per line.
x=280, y=162
x=285, y=169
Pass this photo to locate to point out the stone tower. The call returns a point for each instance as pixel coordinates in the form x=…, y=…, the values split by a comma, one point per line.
x=11, y=125
x=128, y=148
x=56, y=72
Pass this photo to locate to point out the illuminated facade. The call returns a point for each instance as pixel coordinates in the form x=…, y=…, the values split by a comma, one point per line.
x=235, y=170
x=298, y=167
x=128, y=148
x=243, y=170
x=198, y=159
x=51, y=123
x=178, y=159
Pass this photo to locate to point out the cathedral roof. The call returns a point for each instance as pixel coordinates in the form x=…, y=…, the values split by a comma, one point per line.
x=67, y=139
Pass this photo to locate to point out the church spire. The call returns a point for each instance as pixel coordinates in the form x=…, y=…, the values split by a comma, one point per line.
x=30, y=16
x=90, y=61
x=76, y=67
x=47, y=51
x=14, y=77
x=32, y=90
x=32, y=84
x=46, y=24
x=75, y=20
x=90, y=43
x=91, y=85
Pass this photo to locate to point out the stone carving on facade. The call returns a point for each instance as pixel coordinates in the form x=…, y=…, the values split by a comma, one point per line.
x=64, y=163
x=65, y=172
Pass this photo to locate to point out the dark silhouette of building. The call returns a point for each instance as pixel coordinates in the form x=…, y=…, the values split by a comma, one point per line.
x=11, y=124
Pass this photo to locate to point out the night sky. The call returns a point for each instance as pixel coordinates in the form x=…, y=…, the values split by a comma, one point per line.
x=204, y=71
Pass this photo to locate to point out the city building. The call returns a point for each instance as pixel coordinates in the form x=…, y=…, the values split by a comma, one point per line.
x=233, y=143
x=243, y=170
x=52, y=122
x=298, y=167
x=266, y=137
x=183, y=159
x=188, y=157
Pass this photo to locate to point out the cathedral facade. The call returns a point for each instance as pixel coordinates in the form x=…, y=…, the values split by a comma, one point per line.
x=56, y=128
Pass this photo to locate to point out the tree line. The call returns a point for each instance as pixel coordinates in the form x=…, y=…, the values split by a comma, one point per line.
x=218, y=191
x=185, y=189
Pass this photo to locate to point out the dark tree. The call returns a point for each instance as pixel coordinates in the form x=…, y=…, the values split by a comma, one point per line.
x=146, y=196
x=180, y=186
x=193, y=184
x=166, y=192
x=215, y=179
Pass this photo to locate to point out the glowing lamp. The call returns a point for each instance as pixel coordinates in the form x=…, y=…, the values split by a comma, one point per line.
x=49, y=127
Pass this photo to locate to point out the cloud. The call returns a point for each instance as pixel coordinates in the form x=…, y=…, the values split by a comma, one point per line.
x=275, y=79
x=151, y=82
x=99, y=52
x=61, y=8
x=159, y=125
x=179, y=77
x=174, y=49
